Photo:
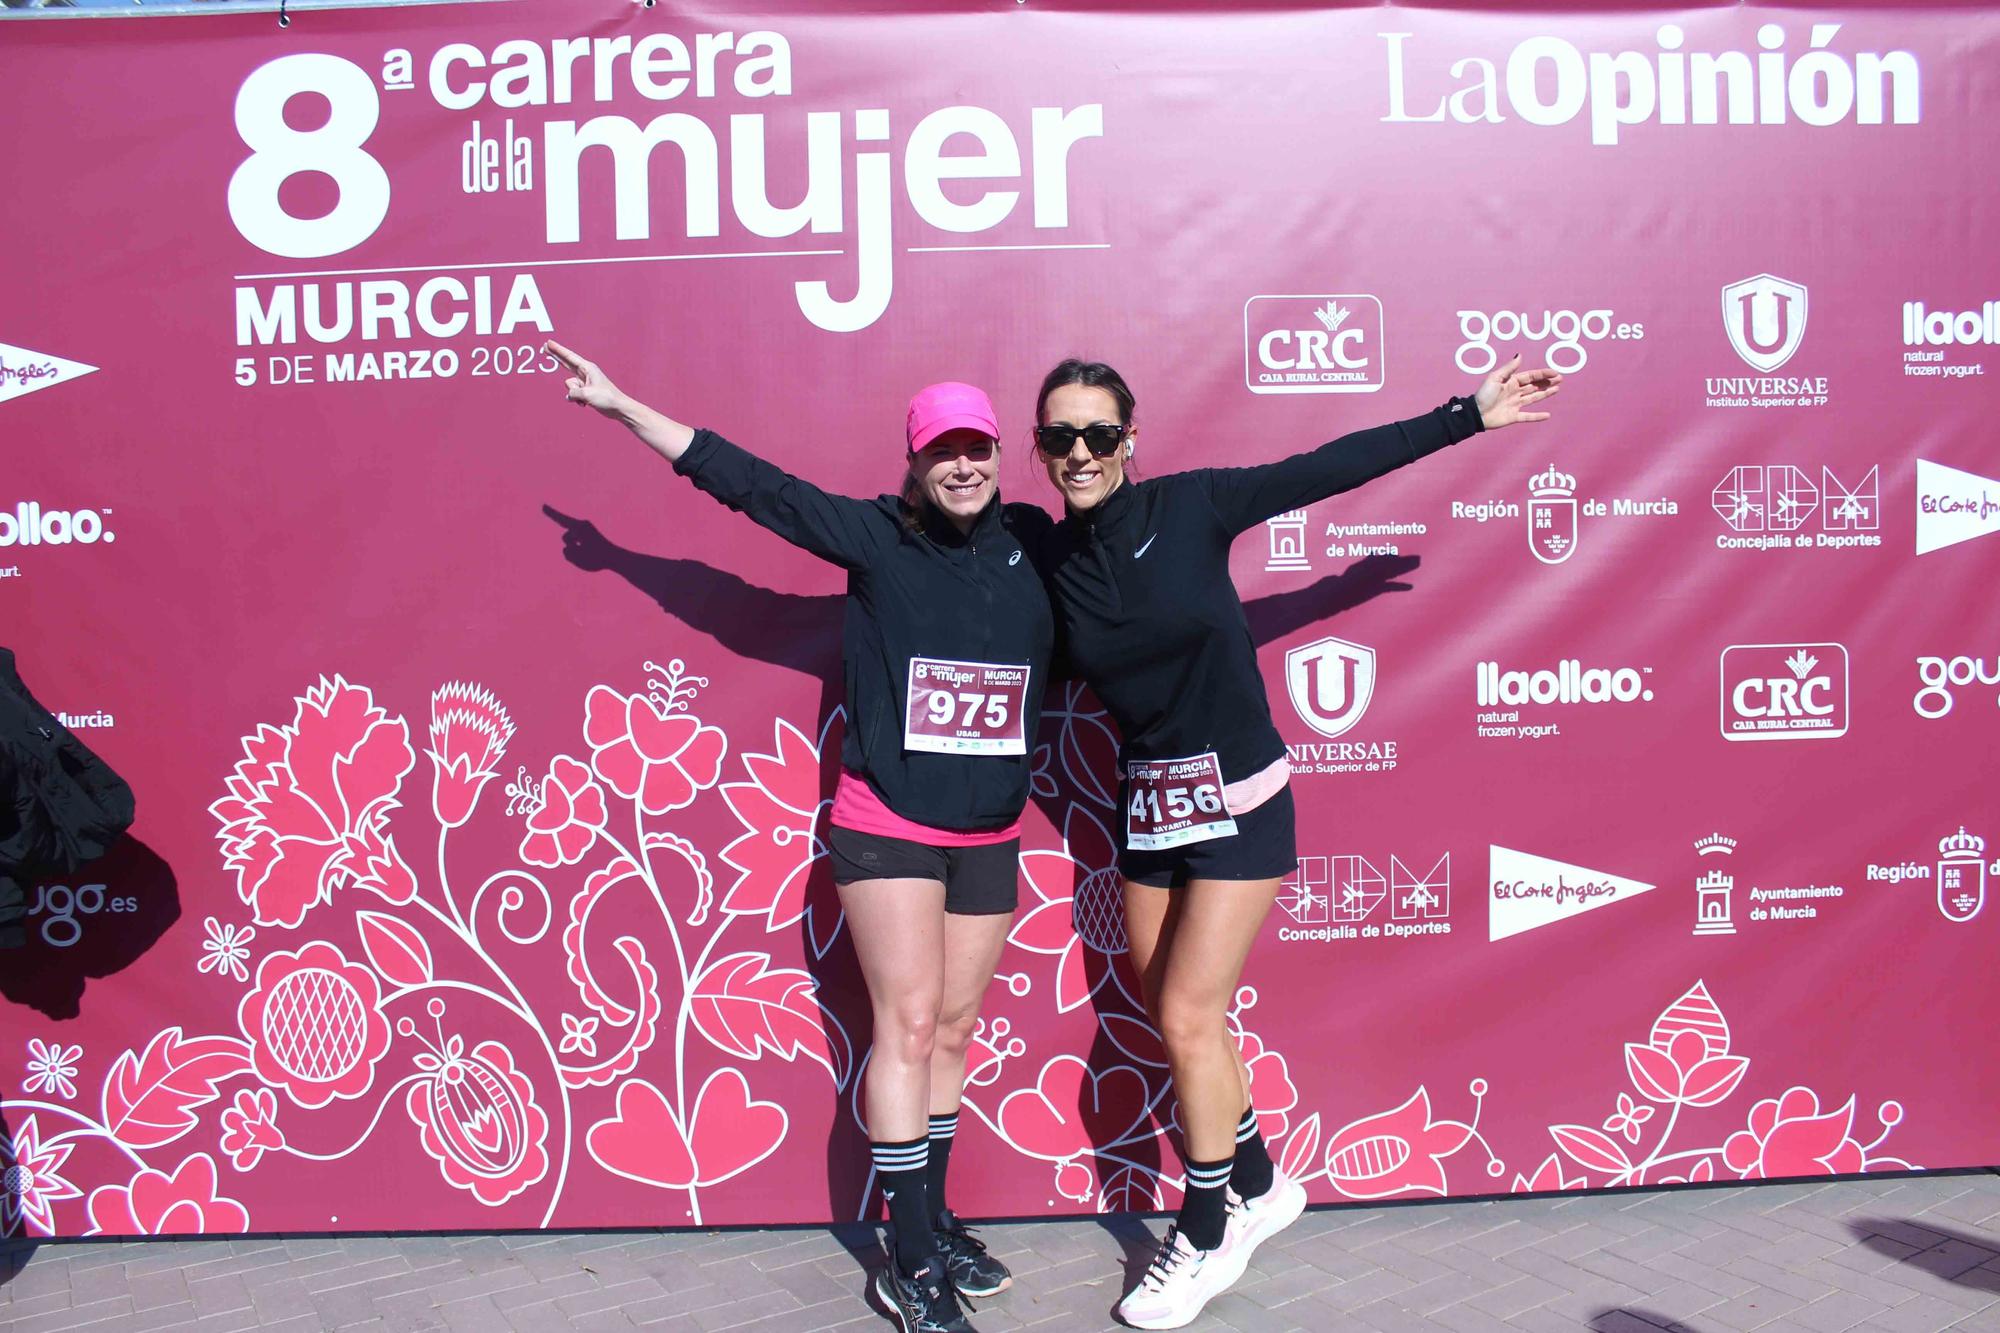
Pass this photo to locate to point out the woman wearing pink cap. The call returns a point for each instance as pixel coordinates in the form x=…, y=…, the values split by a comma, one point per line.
x=945, y=651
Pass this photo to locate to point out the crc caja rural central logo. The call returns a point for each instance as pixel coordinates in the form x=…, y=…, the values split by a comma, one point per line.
x=1313, y=344
x=1784, y=691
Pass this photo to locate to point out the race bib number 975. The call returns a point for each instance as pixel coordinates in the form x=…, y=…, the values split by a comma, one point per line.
x=1170, y=802
x=966, y=707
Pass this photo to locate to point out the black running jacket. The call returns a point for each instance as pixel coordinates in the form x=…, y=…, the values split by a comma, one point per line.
x=925, y=591
x=1149, y=616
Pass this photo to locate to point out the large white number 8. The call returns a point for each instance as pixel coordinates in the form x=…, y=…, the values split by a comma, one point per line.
x=277, y=152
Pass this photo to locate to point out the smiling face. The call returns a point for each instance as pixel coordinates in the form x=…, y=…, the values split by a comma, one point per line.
x=958, y=472
x=1083, y=478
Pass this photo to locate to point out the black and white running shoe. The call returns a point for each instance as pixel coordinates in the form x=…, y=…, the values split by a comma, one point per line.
x=923, y=1302
x=973, y=1271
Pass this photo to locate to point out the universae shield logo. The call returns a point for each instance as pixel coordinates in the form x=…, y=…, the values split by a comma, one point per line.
x=1331, y=682
x=1765, y=318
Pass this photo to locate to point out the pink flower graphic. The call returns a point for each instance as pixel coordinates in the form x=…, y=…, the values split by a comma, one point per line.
x=1396, y=1152
x=1074, y=1181
x=1271, y=1089
x=650, y=1141
x=31, y=1181
x=1073, y=1108
x=478, y=1118
x=1627, y=1118
x=156, y=1204
x=564, y=816
x=469, y=732
x=249, y=1128
x=1789, y=1136
x=782, y=876
x=1548, y=1176
x=308, y=805
x=315, y=1025
x=645, y=751
x=1081, y=905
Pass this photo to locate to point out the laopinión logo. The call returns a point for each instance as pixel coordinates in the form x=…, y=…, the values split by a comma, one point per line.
x=1765, y=319
x=1549, y=82
x=57, y=907
x=1935, y=336
x=1555, y=514
x=1331, y=682
x=1334, y=898
x=1564, y=331
x=1954, y=506
x=28, y=524
x=1784, y=691
x=1961, y=872
x=1509, y=700
x=24, y=372
x=1778, y=507
x=1939, y=677
x=1313, y=344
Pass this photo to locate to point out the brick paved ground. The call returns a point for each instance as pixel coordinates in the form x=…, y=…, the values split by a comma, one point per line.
x=1900, y=1256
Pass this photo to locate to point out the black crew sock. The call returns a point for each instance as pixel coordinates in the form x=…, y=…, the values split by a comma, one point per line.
x=943, y=1127
x=1203, y=1210
x=1250, y=1177
x=900, y=1169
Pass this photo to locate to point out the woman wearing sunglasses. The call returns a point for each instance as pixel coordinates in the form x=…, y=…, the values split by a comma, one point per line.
x=945, y=651
x=1139, y=572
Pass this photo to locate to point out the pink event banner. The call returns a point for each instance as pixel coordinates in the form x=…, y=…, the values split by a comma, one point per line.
x=1645, y=758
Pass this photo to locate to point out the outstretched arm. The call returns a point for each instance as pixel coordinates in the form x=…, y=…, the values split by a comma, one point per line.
x=845, y=531
x=1246, y=496
x=589, y=386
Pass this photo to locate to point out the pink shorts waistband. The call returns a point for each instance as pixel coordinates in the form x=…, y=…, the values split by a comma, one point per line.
x=857, y=807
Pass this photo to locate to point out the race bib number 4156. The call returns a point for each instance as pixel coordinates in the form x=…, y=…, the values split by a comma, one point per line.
x=1170, y=802
x=966, y=707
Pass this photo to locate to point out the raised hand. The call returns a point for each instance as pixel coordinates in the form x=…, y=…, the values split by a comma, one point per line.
x=587, y=385
x=1506, y=394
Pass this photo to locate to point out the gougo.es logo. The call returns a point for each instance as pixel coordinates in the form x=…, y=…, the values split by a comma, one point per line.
x=1938, y=677
x=1564, y=331
x=58, y=906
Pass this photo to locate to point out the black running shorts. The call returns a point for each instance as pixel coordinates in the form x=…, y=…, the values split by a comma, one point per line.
x=1264, y=846
x=978, y=881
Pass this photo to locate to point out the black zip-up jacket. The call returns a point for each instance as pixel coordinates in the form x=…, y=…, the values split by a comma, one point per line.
x=1149, y=616
x=923, y=591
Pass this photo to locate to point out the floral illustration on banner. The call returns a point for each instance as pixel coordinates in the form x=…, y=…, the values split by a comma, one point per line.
x=404, y=1010
x=185, y=1202
x=307, y=811
x=31, y=1181
x=608, y=998
x=226, y=952
x=52, y=1067
x=1685, y=1065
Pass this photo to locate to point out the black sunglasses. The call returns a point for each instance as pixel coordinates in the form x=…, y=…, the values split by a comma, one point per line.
x=1101, y=438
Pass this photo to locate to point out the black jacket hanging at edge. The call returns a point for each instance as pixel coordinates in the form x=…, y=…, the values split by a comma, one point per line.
x=60, y=805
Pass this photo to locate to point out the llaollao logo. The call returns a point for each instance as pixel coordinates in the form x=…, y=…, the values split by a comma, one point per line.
x=29, y=524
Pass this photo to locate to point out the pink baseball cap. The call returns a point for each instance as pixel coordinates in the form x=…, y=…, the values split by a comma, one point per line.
x=949, y=406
